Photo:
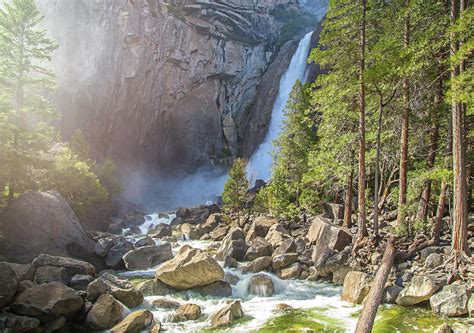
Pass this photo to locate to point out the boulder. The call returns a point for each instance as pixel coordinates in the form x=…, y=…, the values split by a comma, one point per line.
x=291, y=272
x=105, y=313
x=420, y=289
x=8, y=283
x=277, y=234
x=333, y=211
x=135, y=322
x=391, y=293
x=72, y=266
x=195, y=215
x=284, y=260
x=147, y=257
x=189, y=268
x=427, y=251
x=163, y=303
x=26, y=284
x=103, y=246
x=10, y=322
x=259, y=248
x=81, y=281
x=300, y=245
x=219, y=233
x=116, y=253
x=434, y=260
x=261, y=285
x=145, y=241
x=356, y=287
x=231, y=278
x=212, y=222
x=154, y=287
x=451, y=301
x=339, y=275
x=45, y=274
x=230, y=262
x=233, y=245
x=259, y=228
x=47, y=302
x=160, y=230
x=22, y=271
x=325, y=236
x=287, y=246
x=187, y=312
x=227, y=315
x=218, y=289
x=120, y=289
x=43, y=222
x=258, y=265
x=191, y=232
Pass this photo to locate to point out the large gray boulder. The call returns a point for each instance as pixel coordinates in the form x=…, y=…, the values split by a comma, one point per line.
x=233, y=245
x=43, y=222
x=72, y=266
x=260, y=248
x=147, y=257
x=277, y=234
x=8, y=283
x=188, y=269
x=420, y=289
x=356, y=287
x=47, y=302
x=259, y=228
x=451, y=301
x=120, y=289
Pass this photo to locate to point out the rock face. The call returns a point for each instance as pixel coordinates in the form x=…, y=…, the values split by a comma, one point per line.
x=216, y=53
x=8, y=283
x=43, y=222
x=190, y=268
x=356, y=287
x=147, y=257
x=47, y=302
x=451, y=301
x=419, y=290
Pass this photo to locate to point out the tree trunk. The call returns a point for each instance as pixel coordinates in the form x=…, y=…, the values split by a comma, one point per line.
x=348, y=201
x=361, y=190
x=434, y=133
x=459, y=238
x=377, y=169
x=402, y=198
x=372, y=302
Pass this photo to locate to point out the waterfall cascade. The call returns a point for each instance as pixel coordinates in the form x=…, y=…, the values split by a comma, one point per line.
x=260, y=163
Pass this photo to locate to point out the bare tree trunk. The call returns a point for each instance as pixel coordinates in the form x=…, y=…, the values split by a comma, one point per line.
x=377, y=168
x=361, y=190
x=459, y=238
x=434, y=133
x=372, y=302
x=348, y=201
x=402, y=198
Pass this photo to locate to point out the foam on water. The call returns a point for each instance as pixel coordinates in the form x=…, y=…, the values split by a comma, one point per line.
x=154, y=219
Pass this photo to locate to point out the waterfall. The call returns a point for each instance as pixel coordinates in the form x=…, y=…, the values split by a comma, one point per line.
x=260, y=163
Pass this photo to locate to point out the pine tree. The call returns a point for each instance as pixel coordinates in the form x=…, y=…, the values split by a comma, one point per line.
x=234, y=197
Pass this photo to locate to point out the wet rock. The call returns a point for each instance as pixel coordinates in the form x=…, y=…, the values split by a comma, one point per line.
x=277, y=234
x=230, y=262
x=47, y=302
x=145, y=241
x=391, y=293
x=260, y=227
x=47, y=274
x=217, y=289
x=135, y=322
x=233, y=245
x=284, y=260
x=10, y=322
x=160, y=230
x=259, y=248
x=339, y=275
x=116, y=253
x=287, y=246
x=147, y=257
x=187, y=312
x=163, y=303
x=105, y=313
x=325, y=236
x=258, y=265
x=227, y=315
x=434, y=260
x=120, y=289
x=72, y=266
x=420, y=289
x=231, y=278
x=261, y=285
x=22, y=271
x=291, y=272
x=81, y=281
x=189, y=268
x=356, y=287
x=8, y=283
x=451, y=301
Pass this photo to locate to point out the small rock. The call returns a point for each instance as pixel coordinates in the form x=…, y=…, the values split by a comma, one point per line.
x=227, y=315
x=258, y=265
x=284, y=260
x=291, y=272
x=81, y=281
x=217, y=289
x=434, y=260
x=259, y=248
x=105, y=313
x=160, y=230
x=146, y=241
x=134, y=322
x=261, y=285
x=156, y=328
x=282, y=307
x=230, y=262
x=391, y=293
x=427, y=251
x=163, y=303
x=356, y=287
x=103, y=246
x=231, y=278
x=187, y=312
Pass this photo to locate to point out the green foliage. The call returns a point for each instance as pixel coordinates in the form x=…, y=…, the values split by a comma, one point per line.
x=234, y=197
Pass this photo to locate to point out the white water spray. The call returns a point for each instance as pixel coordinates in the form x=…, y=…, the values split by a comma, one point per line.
x=260, y=163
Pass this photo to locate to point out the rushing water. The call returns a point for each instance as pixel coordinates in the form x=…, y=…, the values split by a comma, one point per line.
x=260, y=163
